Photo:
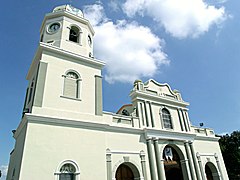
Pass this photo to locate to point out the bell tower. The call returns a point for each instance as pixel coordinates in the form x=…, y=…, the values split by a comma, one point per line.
x=67, y=29
x=64, y=77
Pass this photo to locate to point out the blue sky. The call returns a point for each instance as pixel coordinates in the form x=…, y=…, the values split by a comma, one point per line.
x=192, y=45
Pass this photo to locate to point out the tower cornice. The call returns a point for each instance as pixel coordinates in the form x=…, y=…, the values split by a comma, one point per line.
x=64, y=53
x=69, y=15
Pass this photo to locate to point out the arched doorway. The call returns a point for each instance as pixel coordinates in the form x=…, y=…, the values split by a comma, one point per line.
x=211, y=172
x=124, y=172
x=173, y=170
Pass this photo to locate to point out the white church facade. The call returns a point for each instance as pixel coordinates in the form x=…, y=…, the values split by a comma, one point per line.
x=64, y=133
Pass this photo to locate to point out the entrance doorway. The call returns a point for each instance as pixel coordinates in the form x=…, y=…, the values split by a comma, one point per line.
x=173, y=170
x=211, y=172
x=124, y=172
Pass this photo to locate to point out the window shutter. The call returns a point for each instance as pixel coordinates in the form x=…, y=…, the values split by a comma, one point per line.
x=70, y=87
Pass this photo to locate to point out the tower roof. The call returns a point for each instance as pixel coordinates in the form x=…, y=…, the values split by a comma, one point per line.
x=69, y=9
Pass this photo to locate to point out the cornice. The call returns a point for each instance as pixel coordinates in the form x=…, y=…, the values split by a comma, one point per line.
x=139, y=95
x=69, y=15
x=169, y=135
x=207, y=138
x=80, y=124
x=57, y=50
x=46, y=47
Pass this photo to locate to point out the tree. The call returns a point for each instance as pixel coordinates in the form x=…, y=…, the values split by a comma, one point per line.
x=230, y=146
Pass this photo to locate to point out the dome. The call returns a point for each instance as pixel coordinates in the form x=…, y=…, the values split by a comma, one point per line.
x=69, y=9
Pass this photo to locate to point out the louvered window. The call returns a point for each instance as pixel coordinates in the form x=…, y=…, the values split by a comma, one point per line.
x=71, y=85
x=166, y=117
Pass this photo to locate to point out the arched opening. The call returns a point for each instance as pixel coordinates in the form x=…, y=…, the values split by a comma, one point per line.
x=127, y=171
x=172, y=165
x=72, y=85
x=67, y=172
x=166, y=118
x=74, y=34
x=211, y=172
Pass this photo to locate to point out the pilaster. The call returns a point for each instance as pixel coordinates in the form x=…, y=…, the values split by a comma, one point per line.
x=98, y=95
x=219, y=166
x=109, y=164
x=143, y=164
x=201, y=167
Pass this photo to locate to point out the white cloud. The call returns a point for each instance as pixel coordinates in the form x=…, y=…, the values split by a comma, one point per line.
x=4, y=170
x=130, y=50
x=114, y=5
x=185, y=18
x=95, y=14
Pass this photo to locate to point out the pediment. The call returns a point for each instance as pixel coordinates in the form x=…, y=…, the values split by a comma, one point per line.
x=153, y=87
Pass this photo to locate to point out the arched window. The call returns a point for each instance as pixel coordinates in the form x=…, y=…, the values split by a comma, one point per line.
x=74, y=34
x=72, y=84
x=166, y=117
x=67, y=172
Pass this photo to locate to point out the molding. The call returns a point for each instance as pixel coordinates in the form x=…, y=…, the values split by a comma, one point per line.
x=207, y=138
x=76, y=99
x=160, y=85
x=80, y=124
x=20, y=127
x=56, y=50
x=125, y=152
x=143, y=96
x=169, y=135
x=149, y=133
x=61, y=14
x=206, y=154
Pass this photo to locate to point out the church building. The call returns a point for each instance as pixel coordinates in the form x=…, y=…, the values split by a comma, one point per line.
x=64, y=134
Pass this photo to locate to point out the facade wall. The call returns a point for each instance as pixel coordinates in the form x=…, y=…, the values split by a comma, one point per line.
x=61, y=129
x=54, y=84
x=47, y=146
x=16, y=156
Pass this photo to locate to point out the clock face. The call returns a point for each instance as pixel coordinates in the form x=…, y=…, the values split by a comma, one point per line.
x=53, y=27
x=89, y=41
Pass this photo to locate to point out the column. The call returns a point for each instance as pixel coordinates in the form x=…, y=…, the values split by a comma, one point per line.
x=98, y=95
x=219, y=166
x=195, y=161
x=190, y=161
x=160, y=165
x=151, y=160
x=201, y=167
x=143, y=164
x=184, y=165
x=109, y=164
x=151, y=114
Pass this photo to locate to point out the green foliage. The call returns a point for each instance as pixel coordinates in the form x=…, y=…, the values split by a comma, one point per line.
x=230, y=146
